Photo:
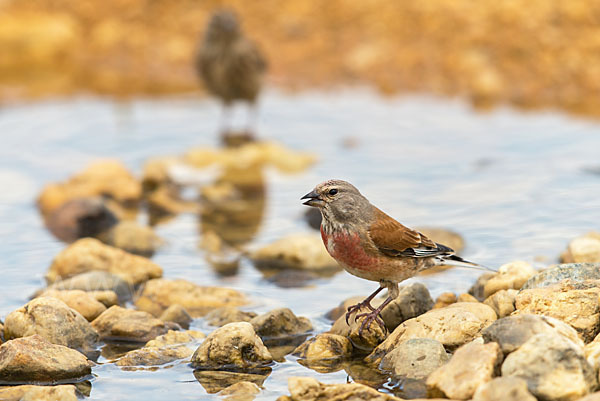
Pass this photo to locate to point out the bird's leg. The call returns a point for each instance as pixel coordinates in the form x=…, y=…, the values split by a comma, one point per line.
x=366, y=303
x=374, y=315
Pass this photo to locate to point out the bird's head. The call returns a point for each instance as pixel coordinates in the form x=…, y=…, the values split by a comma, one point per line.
x=339, y=202
x=223, y=25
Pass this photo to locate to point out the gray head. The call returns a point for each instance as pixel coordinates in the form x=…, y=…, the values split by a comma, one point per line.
x=223, y=25
x=339, y=202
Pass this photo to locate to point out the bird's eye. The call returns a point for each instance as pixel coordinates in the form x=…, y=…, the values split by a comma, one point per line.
x=333, y=191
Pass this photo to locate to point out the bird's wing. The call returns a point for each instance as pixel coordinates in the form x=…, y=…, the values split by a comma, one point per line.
x=249, y=56
x=395, y=239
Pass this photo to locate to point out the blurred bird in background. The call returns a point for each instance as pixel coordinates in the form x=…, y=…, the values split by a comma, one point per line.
x=231, y=66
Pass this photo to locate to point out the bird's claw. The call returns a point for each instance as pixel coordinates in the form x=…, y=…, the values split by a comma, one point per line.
x=355, y=308
x=369, y=318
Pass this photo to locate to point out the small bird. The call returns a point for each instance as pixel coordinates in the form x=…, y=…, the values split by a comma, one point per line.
x=369, y=244
x=231, y=66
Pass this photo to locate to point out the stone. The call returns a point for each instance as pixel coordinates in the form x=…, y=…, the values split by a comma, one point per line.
x=477, y=288
x=152, y=356
x=235, y=346
x=584, y=249
x=371, y=336
x=173, y=337
x=240, y=391
x=341, y=309
x=54, y=321
x=27, y=392
x=576, y=272
x=309, y=389
x=413, y=300
x=158, y=295
x=502, y=302
x=280, y=323
x=228, y=314
x=107, y=298
x=324, y=348
x=81, y=301
x=79, y=218
x=132, y=237
x=177, y=314
x=505, y=389
x=577, y=307
x=93, y=281
x=157, y=171
x=466, y=298
x=445, y=299
x=106, y=178
x=471, y=366
x=120, y=324
x=89, y=254
x=513, y=331
x=214, y=381
x=510, y=276
x=298, y=251
x=415, y=359
x=33, y=359
x=591, y=397
x=453, y=326
x=553, y=368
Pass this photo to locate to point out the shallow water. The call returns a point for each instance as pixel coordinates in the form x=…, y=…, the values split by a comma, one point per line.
x=515, y=185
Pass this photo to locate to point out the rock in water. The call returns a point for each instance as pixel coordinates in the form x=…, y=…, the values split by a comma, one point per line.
x=33, y=359
x=128, y=325
x=324, y=348
x=415, y=359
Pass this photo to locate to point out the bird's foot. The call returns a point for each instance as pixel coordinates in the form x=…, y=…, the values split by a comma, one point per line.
x=355, y=308
x=369, y=318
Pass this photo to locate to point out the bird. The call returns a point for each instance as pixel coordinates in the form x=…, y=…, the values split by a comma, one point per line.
x=231, y=66
x=371, y=245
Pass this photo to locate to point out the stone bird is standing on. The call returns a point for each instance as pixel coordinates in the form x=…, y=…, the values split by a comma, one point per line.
x=369, y=244
x=230, y=65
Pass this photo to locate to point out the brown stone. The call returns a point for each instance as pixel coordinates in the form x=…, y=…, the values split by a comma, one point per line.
x=584, y=249
x=228, y=314
x=445, y=299
x=177, y=314
x=324, y=347
x=241, y=391
x=502, y=302
x=309, y=389
x=504, y=389
x=27, y=392
x=415, y=359
x=128, y=325
x=280, y=323
x=81, y=301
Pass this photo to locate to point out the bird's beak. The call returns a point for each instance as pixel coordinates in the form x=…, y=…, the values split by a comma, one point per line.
x=313, y=199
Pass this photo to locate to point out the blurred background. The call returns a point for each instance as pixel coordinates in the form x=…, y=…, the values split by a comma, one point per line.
x=476, y=120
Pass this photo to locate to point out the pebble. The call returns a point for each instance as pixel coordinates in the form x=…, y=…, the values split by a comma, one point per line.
x=79, y=218
x=415, y=359
x=502, y=302
x=94, y=281
x=324, y=348
x=228, y=314
x=83, y=302
x=280, y=324
x=584, y=249
x=27, y=392
x=177, y=314
x=504, y=389
x=120, y=324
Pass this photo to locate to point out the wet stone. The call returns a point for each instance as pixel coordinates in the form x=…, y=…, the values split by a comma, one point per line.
x=233, y=347
x=154, y=356
x=280, y=324
x=471, y=366
x=505, y=389
x=133, y=238
x=371, y=337
x=241, y=391
x=214, y=381
x=453, y=326
x=120, y=324
x=94, y=281
x=415, y=359
x=502, y=302
x=159, y=294
x=577, y=272
x=64, y=392
x=81, y=301
x=229, y=314
x=54, y=321
x=513, y=331
x=89, y=254
x=173, y=337
x=553, y=368
x=324, y=348
x=309, y=389
x=33, y=359
x=177, y=314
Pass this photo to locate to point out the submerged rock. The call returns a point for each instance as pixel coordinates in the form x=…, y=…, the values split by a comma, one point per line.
x=280, y=324
x=228, y=314
x=94, y=281
x=453, y=326
x=27, y=392
x=502, y=302
x=513, y=331
x=577, y=306
x=553, y=368
x=241, y=391
x=79, y=218
x=89, y=254
x=158, y=295
x=33, y=359
x=504, y=389
x=214, y=381
x=177, y=314
x=174, y=337
x=54, y=321
x=152, y=356
x=324, y=348
x=584, y=249
x=132, y=237
x=81, y=301
x=299, y=251
x=415, y=359
x=471, y=366
x=120, y=324
x=576, y=272
x=234, y=347
x=309, y=389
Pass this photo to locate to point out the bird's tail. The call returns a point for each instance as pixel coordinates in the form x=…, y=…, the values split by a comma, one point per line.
x=458, y=261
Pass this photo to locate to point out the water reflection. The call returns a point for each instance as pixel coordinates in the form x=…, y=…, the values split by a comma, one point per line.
x=214, y=381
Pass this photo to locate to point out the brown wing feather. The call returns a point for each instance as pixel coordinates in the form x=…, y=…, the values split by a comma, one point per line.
x=393, y=238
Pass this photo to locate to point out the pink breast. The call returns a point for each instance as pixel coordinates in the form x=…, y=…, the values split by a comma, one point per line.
x=346, y=249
